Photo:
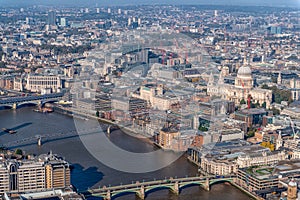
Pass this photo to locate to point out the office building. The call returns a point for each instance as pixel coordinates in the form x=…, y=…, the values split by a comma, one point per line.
x=47, y=171
x=52, y=18
x=63, y=22
x=35, y=83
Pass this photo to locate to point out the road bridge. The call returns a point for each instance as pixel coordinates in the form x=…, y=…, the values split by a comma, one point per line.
x=141, y=189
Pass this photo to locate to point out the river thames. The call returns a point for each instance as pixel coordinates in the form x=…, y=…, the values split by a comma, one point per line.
x=89, y=172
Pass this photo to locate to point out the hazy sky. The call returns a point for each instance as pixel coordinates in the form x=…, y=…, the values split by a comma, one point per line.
x=134, y=2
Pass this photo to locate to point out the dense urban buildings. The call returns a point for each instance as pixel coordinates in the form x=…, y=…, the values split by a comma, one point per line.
x=221, y=83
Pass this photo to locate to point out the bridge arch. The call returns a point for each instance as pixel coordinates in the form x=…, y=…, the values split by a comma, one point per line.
x=27, y=104
x=215, y=181
x=48, y=101
x=5, y=106
x=123, y=193
x=157, y=188
x=183, y=186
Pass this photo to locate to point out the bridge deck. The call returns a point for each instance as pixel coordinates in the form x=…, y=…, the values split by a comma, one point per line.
x=29, y=98
x=166, y=182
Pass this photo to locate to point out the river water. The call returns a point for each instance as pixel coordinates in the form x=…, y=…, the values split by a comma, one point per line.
x=89, y=172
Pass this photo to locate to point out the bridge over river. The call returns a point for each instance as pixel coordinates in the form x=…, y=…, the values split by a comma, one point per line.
x=141, y=189
x=14, y=102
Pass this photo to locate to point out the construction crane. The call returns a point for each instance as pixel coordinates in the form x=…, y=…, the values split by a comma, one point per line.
x=186, y=55
x=163, y=53
x=295, y=135
x=249, y=101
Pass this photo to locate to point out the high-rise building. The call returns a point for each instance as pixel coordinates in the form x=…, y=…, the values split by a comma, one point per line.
x=119, y=11
x=52, y=18
x=216, y=13
x=129, y=21
x=27, y=20
x=108, y=10
x=63, y=22
x=275, y=30
x=98, y=10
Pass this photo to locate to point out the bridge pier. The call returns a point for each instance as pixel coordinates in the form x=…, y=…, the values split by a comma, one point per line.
x=206, y=185
x=39, y=104
x=14, y=106
x=140, y=189
x=108, y=195
x=108, y=129
x=141, y=193
x=39, y=141
x=175, y=189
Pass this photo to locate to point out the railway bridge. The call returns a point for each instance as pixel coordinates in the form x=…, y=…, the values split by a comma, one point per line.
x=15, y=102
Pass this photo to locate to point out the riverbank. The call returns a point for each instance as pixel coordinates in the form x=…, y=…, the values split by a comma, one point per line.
x=130, y=131
x=250, y=194
x=89, y=172
x=246, y=192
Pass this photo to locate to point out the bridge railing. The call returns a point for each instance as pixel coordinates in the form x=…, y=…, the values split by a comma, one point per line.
x=30, y=98
x=156, y=182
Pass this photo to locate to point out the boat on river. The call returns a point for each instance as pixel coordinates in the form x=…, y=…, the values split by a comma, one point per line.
x=44, y=110
x=10, y=131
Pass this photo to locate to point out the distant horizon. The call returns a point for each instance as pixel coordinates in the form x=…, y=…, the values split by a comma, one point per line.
x=271, y=3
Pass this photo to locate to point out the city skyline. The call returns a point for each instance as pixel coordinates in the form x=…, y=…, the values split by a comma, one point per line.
x=275, y=3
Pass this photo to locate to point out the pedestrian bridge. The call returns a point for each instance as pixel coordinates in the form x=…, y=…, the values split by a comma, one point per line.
x=141, y=189
x=15, y=102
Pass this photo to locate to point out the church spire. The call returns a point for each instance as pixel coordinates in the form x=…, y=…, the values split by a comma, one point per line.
x=279, y=79
x=245, y=62
x=221, y=79
x=279, y=141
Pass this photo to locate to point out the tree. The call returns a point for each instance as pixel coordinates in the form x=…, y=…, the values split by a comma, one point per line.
x=268, y=145
x=264, y=105
x=97, y=113
x=242, y=101
x=251, y=133
x=257, y=104
x=264, y=86
x=274, y=80
x=203, y=129
x=279, y=95
x=254, y=105
x=275, y=111
x=19, y=152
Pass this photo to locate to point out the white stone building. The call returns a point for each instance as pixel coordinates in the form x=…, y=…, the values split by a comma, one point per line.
x=242, y=88
x=35, y=83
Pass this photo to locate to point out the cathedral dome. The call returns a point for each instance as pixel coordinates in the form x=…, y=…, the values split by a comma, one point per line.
x=244, y=71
